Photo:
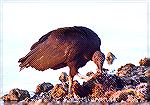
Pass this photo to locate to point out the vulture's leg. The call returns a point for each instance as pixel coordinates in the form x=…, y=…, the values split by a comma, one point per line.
x=70, y=83
x=72, y=73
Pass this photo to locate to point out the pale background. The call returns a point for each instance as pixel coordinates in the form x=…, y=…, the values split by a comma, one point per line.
x=121, y=25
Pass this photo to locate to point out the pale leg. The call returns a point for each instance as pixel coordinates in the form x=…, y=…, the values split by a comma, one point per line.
x=70, y=84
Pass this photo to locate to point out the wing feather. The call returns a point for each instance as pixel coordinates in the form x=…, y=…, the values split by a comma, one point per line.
x=46, y=56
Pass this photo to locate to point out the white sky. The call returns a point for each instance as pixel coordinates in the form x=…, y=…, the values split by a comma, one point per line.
x=122, y=27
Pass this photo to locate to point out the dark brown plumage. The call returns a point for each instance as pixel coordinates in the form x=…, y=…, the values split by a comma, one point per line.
x=69, y=46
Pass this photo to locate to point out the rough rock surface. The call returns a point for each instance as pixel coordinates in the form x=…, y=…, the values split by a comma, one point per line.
x=147, y=74
x=145, y=62
x=16, y=95
x=130, y=84
x=110, y=58
x=58, y=93
x=44, y=87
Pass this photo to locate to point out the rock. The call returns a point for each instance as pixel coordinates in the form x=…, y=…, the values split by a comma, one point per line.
x=89, y=73
x=98, y=92
x=132, y=75
x=44, y=87
x=147, y=74
x=63, y=77
x=125, y=70
x=97, y=84
x=110, y=58
x=44, y=96
x=135, y=77
x=81, y=90
x=145, y=62
x=130, y=84
x=111, y=82
x=6, y=97
x=64, y=80
x=127, y=95
x=16, y=95
x=58, y=93
x=105, y=82
x=86, y=88
x=142, y=88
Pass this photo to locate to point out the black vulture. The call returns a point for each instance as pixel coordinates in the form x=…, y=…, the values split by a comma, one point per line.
x=68, y=46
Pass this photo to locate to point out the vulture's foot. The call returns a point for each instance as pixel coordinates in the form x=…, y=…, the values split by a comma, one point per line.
x=69, y=96
x=94, y=76
x=82, y=76
x=87, y=78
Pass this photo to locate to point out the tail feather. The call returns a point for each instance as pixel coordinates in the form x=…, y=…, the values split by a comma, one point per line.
x=32, y=58
x=23, y=65
x=21, y=60
x=24, y=61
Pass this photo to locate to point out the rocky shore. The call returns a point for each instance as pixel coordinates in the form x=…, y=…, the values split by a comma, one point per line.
x=131, y=84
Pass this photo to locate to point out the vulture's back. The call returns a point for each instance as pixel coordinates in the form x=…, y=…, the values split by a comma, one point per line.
x=58, y=47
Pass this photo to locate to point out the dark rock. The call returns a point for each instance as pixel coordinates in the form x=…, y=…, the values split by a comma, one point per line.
x=16, y=95
x=44, y=87
x=89, y=73
x=120, y=83
x=97, y=91
x=125, y=70
x=81, y=90
x=98, y=84
x=111, y=82
x=63, y=77
x=127, y=95
x=122, y=96
x=43, y=96
x=144, y=62
x=65, y=80
x=148, y=91
x=107, y=82
x=147, y=74
x=132, y=75
x=143, y=79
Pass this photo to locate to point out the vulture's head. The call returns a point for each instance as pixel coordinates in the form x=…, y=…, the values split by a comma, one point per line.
x=98, y=58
